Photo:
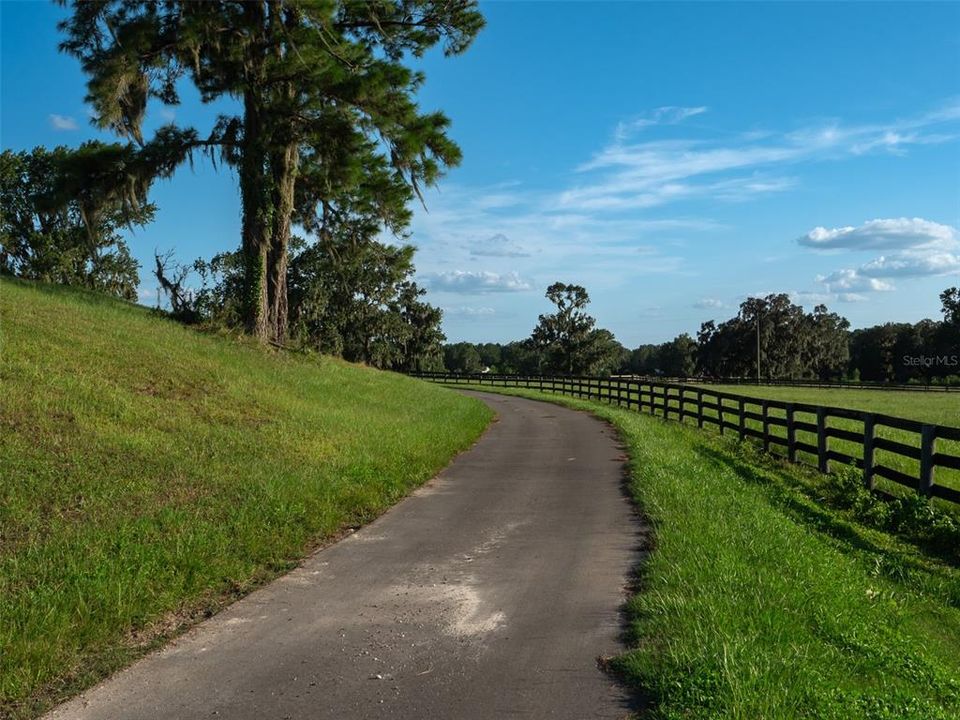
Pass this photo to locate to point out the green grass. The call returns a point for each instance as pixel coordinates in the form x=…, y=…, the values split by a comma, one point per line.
x=149, y=473
x=757, y=601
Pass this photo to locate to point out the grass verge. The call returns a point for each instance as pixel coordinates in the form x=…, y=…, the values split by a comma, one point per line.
x=150, y=473
x=760, y=602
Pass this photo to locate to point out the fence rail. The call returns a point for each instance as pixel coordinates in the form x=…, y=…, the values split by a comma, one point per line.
x=893, y=448
x=831, y=384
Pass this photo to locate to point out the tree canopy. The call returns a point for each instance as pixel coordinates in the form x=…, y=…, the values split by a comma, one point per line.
x=62, y=213
x=315, y=82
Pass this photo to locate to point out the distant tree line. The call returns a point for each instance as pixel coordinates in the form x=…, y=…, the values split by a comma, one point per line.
x=792, y=344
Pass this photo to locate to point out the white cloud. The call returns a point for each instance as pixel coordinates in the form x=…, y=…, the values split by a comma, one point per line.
x=883, y=234
x=62, y=122
x=918, y=248
x=498, y=245
x=852, y=281
x=470, y=282
x=912, y=264
x=708, y=303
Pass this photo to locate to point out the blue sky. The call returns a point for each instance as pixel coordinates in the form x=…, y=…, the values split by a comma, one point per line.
x=672, y=158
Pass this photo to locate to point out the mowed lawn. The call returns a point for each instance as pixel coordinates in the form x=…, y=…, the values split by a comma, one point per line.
x=756, y=601
x=149, y=473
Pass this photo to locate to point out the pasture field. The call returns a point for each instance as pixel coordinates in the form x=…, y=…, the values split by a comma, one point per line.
x=150, y=473
x=758, y=601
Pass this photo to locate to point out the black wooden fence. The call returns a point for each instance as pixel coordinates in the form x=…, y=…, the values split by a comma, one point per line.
x=802, y=432
x=831, y=384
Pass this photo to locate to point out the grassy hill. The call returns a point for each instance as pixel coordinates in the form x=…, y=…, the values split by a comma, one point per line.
x=149, y=473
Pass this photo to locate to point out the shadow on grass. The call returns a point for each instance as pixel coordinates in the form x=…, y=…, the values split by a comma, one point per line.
x=890, y=555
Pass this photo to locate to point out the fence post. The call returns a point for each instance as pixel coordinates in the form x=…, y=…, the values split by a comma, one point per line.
x=928, y=440
x=742, y=409
x=720, y=413
x=823, y=464
x=791, y=435
x=765, y=412
x=869, y=433
x=699, y=408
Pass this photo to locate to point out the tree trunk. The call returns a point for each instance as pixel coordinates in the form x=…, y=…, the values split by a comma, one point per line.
x=284, y=161
x=255, y=192
x=284, y=165
x=256, y=199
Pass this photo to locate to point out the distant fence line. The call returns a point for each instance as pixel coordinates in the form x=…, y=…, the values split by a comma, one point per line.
x=729, y=412
x=773, y=382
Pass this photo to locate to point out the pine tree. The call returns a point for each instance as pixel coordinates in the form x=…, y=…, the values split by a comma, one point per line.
x=309, y=75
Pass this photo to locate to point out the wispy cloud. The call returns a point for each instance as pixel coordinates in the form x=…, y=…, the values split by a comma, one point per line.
x=667, y=115
x=461, y=230
x=627, y=175
x=470, y=283
x=469, y=312
x=62, y=122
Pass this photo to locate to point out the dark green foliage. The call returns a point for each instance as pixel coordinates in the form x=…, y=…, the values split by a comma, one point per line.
x=567, y=342
x=358, y=300
x=901, y=352
x=353, y=300
x=462, y=357
x=677, y=357
x=913, y=517
x=62, y=212
x=793, y=344
x=950, y=300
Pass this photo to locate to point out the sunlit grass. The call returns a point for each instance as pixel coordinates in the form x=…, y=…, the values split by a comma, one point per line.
x=148, y=473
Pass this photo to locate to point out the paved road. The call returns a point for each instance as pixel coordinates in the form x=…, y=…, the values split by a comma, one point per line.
x=489, y=593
